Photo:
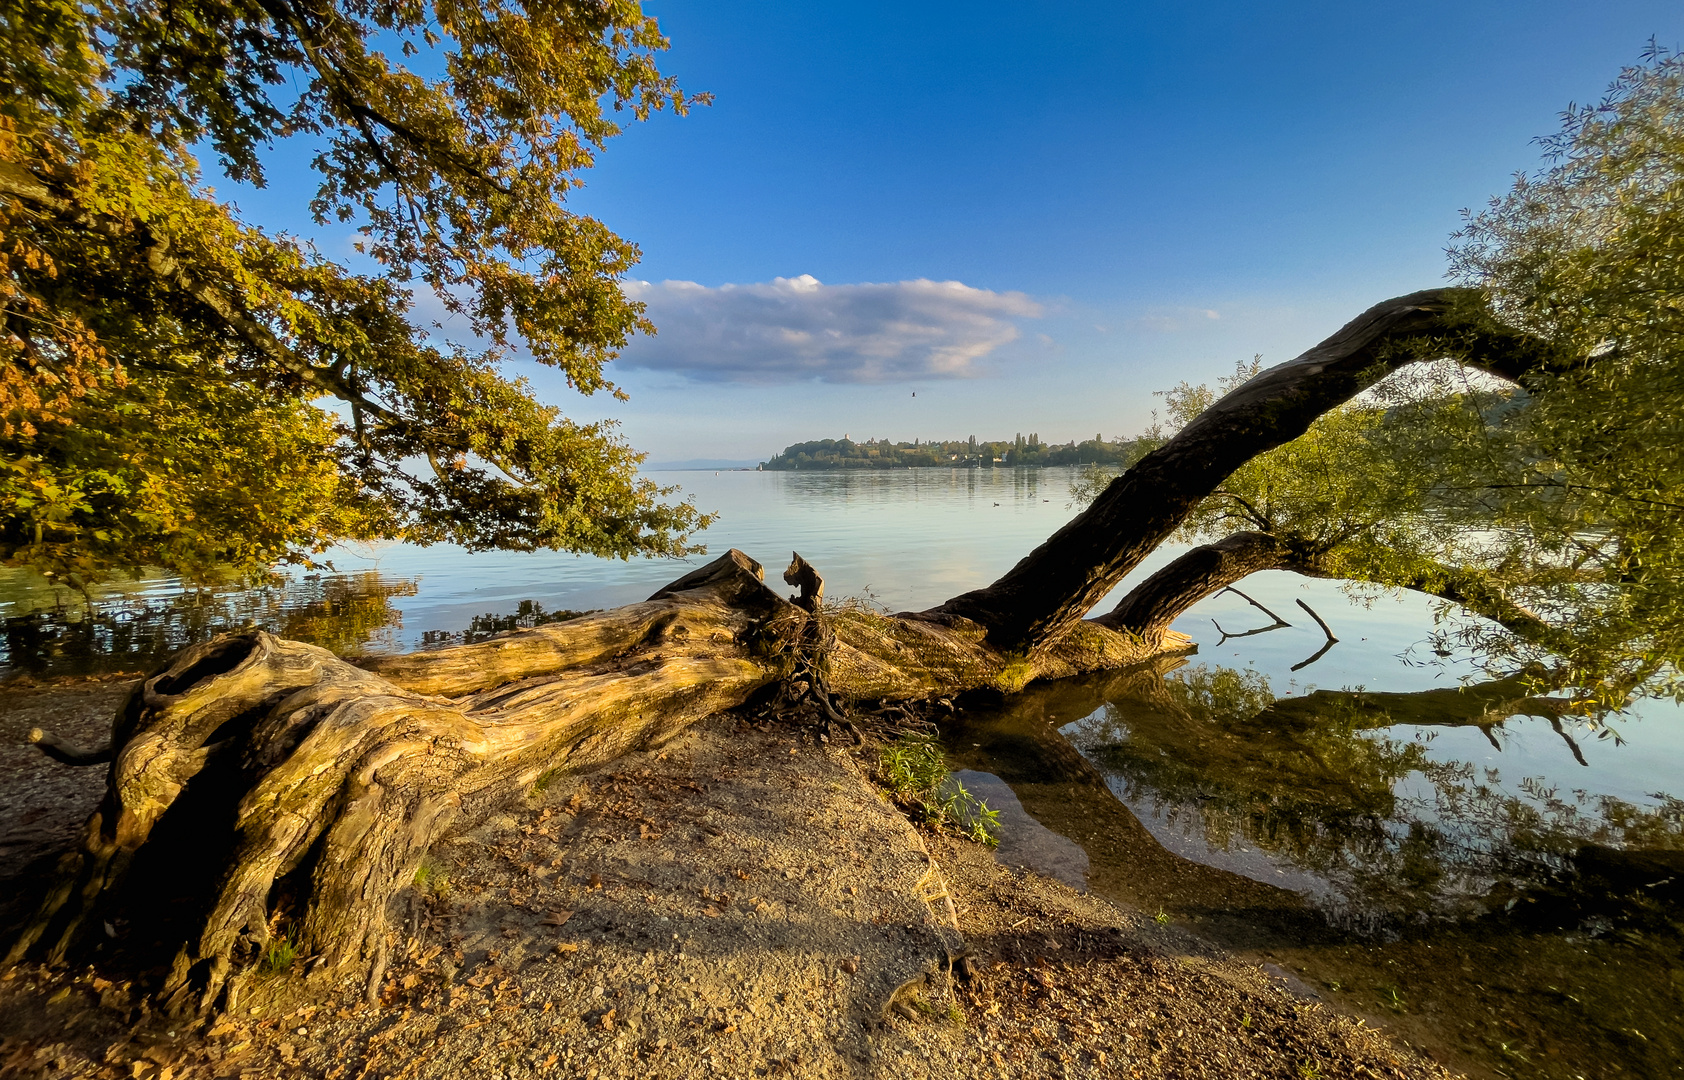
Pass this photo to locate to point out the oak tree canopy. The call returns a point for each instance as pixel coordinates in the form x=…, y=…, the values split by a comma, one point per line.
x=181, y=388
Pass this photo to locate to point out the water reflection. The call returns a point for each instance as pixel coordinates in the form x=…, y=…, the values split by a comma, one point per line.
x=1332, y=783
x=138, y=627
x=1023, y=840
x=1528, y=928
x=527, y=614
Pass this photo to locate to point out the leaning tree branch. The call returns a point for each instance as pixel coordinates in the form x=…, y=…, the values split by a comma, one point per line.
x=1150, y=607
x=345, y=91
x=1049, y=591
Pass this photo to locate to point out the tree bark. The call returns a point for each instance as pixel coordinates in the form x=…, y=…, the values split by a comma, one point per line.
x=338, y=778
x=1052, y=588
x=1150, y=607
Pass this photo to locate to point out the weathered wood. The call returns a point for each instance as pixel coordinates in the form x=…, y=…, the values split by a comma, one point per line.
x=703, y=607
x=350, y=775
x=346, y=774
x=802, y=575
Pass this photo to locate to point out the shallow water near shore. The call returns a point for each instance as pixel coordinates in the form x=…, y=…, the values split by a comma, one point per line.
x=1472, y=884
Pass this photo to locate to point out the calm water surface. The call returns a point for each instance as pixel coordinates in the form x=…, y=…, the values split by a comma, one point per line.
x=1492, y=885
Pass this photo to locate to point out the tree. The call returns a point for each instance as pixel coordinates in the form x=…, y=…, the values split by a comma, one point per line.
x=337, y=778
x=163, y=363
x=1544, y=506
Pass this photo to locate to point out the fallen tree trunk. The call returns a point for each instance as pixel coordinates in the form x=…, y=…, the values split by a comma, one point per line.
x=341, y=777
x=347, y=776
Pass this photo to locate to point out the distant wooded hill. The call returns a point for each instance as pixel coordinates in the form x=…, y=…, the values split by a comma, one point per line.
x=1021, y=452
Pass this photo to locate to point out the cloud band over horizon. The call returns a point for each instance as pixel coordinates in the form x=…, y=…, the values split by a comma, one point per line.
x=798, y=329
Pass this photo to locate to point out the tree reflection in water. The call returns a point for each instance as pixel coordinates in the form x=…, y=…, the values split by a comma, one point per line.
x=1342, y=784
x=1522, y=928
x=137, y=631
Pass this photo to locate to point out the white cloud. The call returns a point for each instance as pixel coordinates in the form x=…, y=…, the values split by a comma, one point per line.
x=795, y=329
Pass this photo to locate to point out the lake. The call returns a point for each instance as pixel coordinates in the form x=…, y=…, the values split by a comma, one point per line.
x=1465, y=877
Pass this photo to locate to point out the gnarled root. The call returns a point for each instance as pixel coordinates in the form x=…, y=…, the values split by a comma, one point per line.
x=341, y=778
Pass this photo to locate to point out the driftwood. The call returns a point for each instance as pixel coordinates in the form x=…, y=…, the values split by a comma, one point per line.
x=306, y=788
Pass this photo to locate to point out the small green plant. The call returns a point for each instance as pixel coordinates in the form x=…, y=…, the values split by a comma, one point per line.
x=1245, y=1021
x=913, y=766
x=1391, y=998
x=1309, y=1071
x=915, y=771
x=432, y=879
x=1161, y=918
x=278, y=956
x=984, y=827
x=955, y=1015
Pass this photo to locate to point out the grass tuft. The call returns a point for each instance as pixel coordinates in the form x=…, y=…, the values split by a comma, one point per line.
x=916, y=773
x=278, y=956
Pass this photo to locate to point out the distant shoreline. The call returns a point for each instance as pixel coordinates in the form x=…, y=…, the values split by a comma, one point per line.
x=951, y=467
x=864, y=467
x=970, y=453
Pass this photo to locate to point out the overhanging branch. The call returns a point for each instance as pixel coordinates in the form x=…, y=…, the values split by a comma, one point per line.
x=1049, y=591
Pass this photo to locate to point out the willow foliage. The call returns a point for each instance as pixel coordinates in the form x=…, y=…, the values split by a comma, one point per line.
x=1588, y=464
x=1550, y=506
x=180, y=388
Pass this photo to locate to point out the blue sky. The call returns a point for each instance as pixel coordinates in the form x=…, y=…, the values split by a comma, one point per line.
x=1034, y=215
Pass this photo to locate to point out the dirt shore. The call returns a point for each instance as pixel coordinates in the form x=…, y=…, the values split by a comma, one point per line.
x=737, y=903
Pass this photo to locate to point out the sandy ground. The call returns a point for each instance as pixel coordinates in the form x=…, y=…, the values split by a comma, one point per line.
x=737, y=903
